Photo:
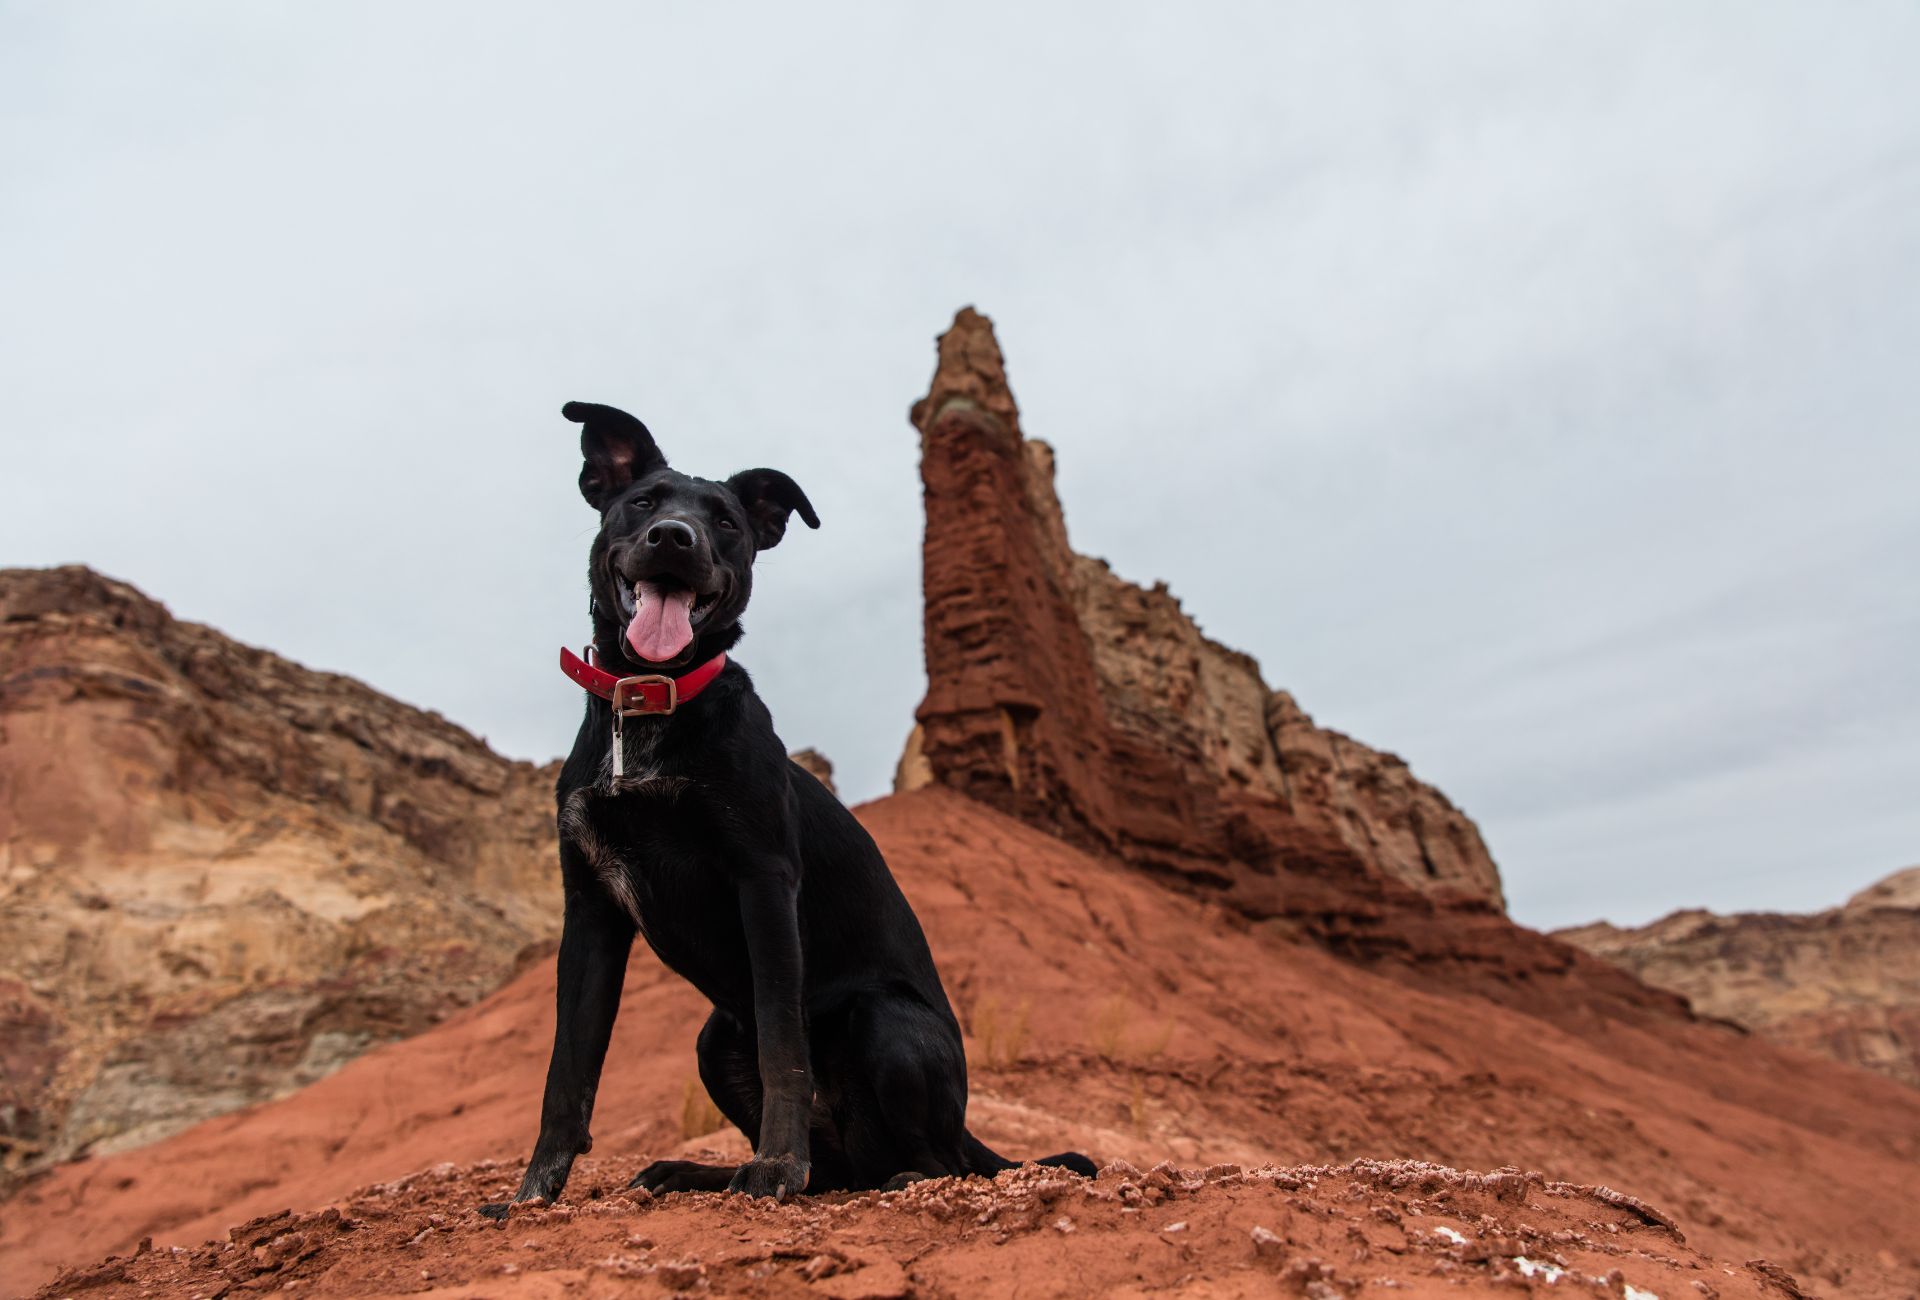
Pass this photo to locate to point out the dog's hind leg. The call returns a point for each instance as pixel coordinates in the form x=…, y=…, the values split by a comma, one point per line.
x=901, y=1085
x=730, y=1072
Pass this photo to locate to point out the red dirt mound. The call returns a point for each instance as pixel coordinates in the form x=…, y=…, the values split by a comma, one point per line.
x=1104, y=1013
x=1416, y=1229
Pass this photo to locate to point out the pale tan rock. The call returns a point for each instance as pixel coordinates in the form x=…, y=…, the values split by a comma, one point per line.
x=816, y=765
x=1901, y=889
x=1375, y=803
x=1844, y=982
x=913, y=771
x=222, y=875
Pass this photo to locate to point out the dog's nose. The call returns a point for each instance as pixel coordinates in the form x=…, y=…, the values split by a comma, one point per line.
x=671, y=532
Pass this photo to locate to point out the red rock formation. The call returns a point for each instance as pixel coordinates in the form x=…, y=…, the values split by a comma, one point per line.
x=223, y=875
x=1095, y=709
x=1373, y=801
x=1844, y=982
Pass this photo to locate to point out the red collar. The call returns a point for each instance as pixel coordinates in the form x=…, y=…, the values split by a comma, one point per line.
x=646, y=694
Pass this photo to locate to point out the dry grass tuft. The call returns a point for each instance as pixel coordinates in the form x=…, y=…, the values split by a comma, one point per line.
x=1110, y=1022
x=698, y=1115
x=1001, y=1036
x=1112, y=1033
x=1154, y=1046
x=1137, y=1107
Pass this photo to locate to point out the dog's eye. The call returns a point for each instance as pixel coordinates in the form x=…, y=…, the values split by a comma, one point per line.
x=643, y=503
x=725, y=523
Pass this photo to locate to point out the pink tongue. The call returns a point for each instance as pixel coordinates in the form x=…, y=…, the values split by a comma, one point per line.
x=662, y=627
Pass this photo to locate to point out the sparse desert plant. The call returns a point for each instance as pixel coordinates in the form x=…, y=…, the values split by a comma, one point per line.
x=1001, y=1035
x=698, y=1115
x=981, y=1022
x=1110, y=1022
x=1113, y=1037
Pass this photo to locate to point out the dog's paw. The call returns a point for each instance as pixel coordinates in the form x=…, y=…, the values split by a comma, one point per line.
x=682, y=1176
x=499, y=1210
x=656, y=1176
x=775, y=1176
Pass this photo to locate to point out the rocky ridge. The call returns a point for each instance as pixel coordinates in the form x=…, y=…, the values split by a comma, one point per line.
x=1844, y=982
x=223, y=875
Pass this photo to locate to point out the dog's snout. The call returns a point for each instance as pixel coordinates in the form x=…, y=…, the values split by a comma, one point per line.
x=671, y=532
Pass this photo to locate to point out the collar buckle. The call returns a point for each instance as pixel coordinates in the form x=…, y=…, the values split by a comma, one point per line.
x=648, y=695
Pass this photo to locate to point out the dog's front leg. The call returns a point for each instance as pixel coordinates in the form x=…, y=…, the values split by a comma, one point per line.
x=595, y=940
x=782, y=1160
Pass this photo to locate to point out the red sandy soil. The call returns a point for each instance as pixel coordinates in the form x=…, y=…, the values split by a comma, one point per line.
x=1107, y=1014
x=1410, y=1228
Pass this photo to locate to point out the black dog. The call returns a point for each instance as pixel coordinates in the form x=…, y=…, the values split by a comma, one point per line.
x=831, y=1044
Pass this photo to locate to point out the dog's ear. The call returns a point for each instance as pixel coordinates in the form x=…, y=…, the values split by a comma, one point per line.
x=770, y=497
x=616, y=448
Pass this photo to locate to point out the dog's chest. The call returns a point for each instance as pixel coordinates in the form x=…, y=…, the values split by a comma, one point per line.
x=631, y=763
x=649, y=838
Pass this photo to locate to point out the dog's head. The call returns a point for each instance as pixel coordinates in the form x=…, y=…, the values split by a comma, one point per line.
x=672, y=564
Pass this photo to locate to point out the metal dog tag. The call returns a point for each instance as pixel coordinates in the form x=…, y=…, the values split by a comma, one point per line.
x=619, y=745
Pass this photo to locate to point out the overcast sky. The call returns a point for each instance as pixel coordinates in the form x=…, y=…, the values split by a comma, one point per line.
x=1531, y=388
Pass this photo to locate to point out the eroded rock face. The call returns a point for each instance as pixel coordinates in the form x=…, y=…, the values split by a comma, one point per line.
x=1095, y=708
x=1844, y=982
x=1373, y=801
x=223, y=875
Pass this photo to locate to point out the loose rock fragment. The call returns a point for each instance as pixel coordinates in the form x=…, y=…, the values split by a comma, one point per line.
x=679, y=1275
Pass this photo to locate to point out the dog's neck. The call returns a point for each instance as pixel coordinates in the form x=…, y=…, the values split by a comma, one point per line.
x=638, y=693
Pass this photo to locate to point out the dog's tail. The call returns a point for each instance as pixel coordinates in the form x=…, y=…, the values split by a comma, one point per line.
x=983, y=1159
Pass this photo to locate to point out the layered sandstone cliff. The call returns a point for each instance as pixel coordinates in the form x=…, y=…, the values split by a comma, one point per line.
x=223, y=875
x=1096, y=709
x=1844, y=982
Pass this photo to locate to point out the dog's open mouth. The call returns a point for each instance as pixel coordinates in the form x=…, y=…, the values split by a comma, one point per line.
x=662, y=614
